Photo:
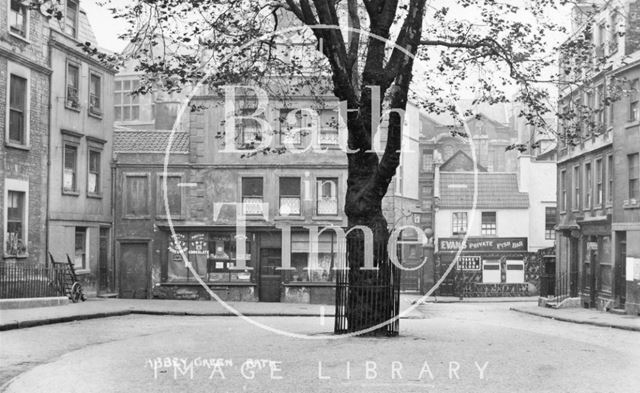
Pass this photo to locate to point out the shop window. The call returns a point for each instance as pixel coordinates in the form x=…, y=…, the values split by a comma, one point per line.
x=80, y=258
x=71, y=18
x=289, y=196
x=549, y=223
x=16, y=225
x=307, y=267
x=18, y=110
x=459, y=221
x=173, y=195
x=327, y=198
x=488, y=226
x=515, y=272
x=491, y=271
x=18, y=18
x=73, y=85
x=93, y=175
x=633, y=161
x=95, y=94
x=70, y=172
x=136, y=196
x=213, y=256
x=252, y=195
x=126, y=103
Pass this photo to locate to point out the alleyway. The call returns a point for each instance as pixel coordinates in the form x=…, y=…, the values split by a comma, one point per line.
x=454, y=348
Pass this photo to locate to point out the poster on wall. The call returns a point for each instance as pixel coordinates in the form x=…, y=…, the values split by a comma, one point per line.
x=633, y=269
x=469, y=263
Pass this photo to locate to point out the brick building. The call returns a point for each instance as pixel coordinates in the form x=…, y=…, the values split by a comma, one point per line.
x=24, y=144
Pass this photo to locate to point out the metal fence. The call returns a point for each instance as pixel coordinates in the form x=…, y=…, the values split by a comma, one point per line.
x=365, y=298
x=30, y=281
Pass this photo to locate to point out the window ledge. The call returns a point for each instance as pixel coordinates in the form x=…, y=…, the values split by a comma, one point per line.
x=71, y=108
x=327, y=218
x=174, y=218
x=632, y=123
x=290, y=218
x=631, y=207
x=95, y=115
x=94, y=195
x=70, y=193
x=19, y=37
x=7, y=256
x=17, y=146
x=147, y=217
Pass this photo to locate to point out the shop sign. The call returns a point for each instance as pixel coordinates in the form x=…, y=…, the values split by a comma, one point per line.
x=633, y=269
x=469, y=263
x=483, y=244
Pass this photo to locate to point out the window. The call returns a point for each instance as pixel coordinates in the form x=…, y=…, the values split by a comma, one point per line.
x=327, y=201
x=634, y=175
x=71, y=18
x=17, y=110
x=18, y=18
x=291, y=122
x=488, y=226
x=491, y=272
x=459, y=223
x=598, y=182
x=69, y=176
x=73, y=83
x=136, y=196
x=173, y=195
x=563, y=190
x=15, y=236
x=614, y=39
x=252, y=195
x=634, y=96
x=549, y=223
x=588, y=186
x=93, y=176
x=95, y=91
x=248, y=130
x=289, y=196
x=609, y=179
x=80, y=258
x=427, y=160
x=515, y=272
x=601, y=114
x=329, y=127
x=576, y=188
x=126, y=105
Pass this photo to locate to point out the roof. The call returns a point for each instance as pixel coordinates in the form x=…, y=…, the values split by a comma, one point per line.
x=495, y=191
x=495, y=112
x=145, y=141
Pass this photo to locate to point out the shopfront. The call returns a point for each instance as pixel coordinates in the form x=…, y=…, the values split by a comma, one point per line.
x=262, y=268
x=486, y=267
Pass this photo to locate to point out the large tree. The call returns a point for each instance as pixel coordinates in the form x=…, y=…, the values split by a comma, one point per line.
x=502, y=46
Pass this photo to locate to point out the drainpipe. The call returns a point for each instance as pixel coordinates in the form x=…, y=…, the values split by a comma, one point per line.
x=49, y=147
x=113, y=219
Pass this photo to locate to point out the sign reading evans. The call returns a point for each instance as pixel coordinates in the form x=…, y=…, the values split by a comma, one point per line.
x=448, y=244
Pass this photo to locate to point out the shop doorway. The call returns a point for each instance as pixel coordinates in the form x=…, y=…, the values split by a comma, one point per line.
x=134, y=269
x=270, y=275
x=620, y=286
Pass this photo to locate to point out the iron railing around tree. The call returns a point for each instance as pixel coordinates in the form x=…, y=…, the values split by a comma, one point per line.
x=366, y=298
x=18, y=281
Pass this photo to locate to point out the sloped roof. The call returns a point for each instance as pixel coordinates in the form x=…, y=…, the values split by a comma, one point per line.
x=495, y=191
x=144, y=141
x=496, y=112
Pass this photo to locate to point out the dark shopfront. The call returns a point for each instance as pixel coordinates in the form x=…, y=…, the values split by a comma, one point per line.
x=487, y=267
x=596, y=269
x=216, y=258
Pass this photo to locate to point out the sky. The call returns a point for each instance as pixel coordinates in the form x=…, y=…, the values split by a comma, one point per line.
x=105, y=27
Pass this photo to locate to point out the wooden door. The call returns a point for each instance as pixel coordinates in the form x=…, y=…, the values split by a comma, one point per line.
x=621, y=269
x=105, y=264
x=134, y=269
x=270, y=277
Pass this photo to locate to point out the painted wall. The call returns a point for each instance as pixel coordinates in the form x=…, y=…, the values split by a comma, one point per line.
x=509, y=222
x=538, y=179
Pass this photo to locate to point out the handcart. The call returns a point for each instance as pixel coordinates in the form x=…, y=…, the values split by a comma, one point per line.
x=68, y=280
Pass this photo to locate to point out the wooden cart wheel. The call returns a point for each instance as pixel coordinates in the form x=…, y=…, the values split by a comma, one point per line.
x=76, y=292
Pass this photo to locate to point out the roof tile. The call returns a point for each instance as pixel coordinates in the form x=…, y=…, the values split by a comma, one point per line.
x=495, y=191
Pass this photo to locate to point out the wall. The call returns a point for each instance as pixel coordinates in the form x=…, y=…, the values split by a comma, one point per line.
x=538, y=179
x=508, y=222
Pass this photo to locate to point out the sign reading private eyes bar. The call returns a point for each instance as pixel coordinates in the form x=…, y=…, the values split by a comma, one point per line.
x=469, y=263
x=483, y=244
